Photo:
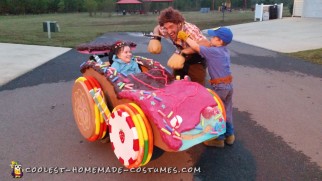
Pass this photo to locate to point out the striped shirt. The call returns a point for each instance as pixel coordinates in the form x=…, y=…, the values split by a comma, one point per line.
x=190, y=29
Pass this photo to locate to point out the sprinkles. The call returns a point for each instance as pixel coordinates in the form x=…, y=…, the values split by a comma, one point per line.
x=165, y=131
x=170, y=114
x=161, y=113
x=114, y=79
x=157, y=98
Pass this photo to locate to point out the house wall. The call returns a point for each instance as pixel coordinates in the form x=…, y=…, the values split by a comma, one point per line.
x=312, y=8
x=308, y=8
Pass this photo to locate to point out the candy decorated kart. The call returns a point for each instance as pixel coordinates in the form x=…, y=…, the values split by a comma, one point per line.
x=140, y=111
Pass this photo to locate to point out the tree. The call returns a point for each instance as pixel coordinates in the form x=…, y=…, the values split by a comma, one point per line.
x=179, y=4
x=53, y=6
x=213, y=5
x=38, y=6
x=147, y=6
x=106, y=6
x=61, y=6
x=91, y=6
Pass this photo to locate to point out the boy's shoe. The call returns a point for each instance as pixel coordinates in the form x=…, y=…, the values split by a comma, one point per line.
x=215, y=143
x=106, y=139
x=230, y=139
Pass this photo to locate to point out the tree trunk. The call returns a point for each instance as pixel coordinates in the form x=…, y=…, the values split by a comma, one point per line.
x=245, y=4
x=213, y=5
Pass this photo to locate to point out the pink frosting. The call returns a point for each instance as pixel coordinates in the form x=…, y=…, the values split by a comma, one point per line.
x=183, y=98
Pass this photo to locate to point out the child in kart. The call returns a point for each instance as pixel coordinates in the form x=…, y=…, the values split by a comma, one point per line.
x=122, y=60
x=218, y=62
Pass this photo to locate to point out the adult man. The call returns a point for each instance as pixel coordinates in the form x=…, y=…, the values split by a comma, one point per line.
x=171, y=22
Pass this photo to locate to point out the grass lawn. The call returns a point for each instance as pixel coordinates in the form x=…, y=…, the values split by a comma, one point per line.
x=77, y=28
x=314, y=56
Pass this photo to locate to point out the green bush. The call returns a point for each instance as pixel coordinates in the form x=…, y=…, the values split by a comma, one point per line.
x=290, y=8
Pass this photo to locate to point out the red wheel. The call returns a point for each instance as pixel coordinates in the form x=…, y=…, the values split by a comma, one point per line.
x=96, y=86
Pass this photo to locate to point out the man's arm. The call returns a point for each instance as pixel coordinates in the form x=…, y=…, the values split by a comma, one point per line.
x=194, y=45
x=156, y=30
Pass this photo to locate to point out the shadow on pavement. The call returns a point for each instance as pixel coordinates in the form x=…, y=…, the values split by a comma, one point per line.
x=256, y=155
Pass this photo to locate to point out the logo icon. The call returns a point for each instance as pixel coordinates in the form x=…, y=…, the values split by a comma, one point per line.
x=17, y=171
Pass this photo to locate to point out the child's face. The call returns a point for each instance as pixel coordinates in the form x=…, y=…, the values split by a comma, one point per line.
x=125, y=54
x=215, y=41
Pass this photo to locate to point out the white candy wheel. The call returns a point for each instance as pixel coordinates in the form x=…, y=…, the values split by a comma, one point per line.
x=124, y=136
x=147, y=133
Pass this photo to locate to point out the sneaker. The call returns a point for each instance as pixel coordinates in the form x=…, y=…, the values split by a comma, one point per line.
x=215, y=143
x=106, y=139
x=230, y=139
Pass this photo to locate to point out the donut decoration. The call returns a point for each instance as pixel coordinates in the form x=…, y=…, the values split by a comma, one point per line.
x=219, y=102
x=131, y=138
x=168, y=109
x=89, y=115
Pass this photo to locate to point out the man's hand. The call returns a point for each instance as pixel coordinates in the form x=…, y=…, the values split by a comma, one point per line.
x=155, y=46
x=183, y=35
x=176, y=61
